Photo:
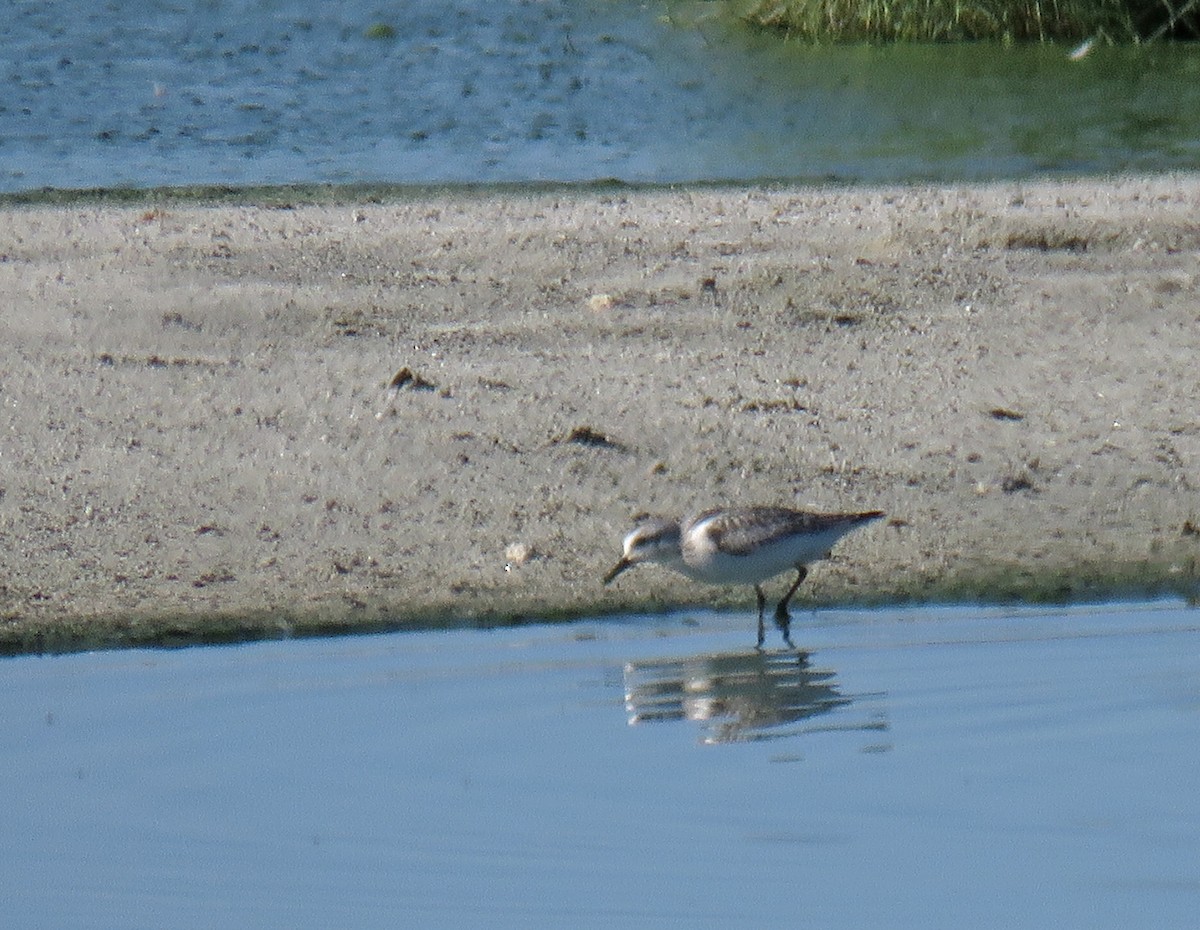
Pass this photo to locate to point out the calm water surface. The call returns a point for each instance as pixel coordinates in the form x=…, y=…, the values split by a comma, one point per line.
x=296, y=91
x=913, y=768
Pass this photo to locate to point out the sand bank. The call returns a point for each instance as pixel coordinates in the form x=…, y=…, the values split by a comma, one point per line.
x=196, y=442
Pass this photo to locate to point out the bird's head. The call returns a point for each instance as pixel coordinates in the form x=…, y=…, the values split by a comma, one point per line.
x=653, y=540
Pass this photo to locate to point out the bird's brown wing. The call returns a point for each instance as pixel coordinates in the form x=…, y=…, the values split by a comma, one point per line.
x=741, y=530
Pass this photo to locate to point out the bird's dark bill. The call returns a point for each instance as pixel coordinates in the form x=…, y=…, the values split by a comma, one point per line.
x=617, y=569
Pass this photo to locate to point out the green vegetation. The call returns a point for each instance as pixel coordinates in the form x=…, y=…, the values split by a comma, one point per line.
x=963, y=20
x=380, y=31
x=287, y=196
x=1018, y=583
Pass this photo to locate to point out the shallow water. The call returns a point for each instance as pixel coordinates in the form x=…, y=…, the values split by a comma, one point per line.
x=918, y=767
x=293, y=91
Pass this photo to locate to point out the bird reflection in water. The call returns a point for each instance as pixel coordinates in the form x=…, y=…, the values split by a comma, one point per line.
x=738, y=696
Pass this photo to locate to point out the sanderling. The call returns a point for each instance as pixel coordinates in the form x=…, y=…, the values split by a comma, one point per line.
x=741, y=545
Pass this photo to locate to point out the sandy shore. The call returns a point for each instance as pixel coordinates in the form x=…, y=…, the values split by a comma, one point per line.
x=196, y=443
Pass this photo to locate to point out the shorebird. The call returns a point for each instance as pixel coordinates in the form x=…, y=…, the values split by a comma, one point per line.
x=741, y=545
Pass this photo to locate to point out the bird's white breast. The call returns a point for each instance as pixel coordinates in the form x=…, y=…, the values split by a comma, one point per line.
x=705, y=561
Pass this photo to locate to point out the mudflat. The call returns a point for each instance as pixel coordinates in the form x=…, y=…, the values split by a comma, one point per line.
x=198, y=440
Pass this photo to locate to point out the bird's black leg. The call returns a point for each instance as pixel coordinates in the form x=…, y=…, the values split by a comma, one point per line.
x=783, y=619
x=762, y=605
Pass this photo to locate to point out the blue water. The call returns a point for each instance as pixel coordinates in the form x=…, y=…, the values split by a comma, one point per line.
x=915, y=768
x=248, y=92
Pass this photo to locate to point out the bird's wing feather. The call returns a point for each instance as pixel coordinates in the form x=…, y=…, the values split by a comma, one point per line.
x=741, y=530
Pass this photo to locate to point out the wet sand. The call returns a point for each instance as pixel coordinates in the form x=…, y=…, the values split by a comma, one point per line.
x=197, y=443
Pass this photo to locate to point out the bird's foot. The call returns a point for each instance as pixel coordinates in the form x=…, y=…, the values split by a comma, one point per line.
x=783, y=620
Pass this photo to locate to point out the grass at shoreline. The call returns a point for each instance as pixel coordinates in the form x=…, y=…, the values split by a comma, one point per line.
x=279, y=196
x=286, y=196
x=991, y=586
x=1118, y=21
